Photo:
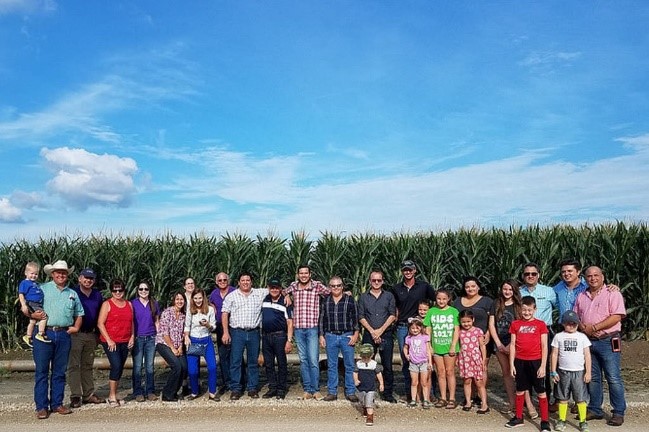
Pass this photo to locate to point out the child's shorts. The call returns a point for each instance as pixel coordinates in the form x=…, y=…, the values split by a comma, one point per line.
x=418, y=367
x=367, y=398
x=34, y=306
x=571, y=382
x=526, y=378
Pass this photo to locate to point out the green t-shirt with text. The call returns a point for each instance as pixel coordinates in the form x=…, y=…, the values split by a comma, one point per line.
x=442, y=323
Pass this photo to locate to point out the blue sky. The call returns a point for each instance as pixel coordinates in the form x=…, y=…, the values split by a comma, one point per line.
x=345, y=116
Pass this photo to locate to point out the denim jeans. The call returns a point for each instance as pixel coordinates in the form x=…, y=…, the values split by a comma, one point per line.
x=402, y=332
x=50, y=386
x=606, y=362
x=335, y=345
x=177, y=371
x=273, y=346
x=386, y=351
x=248, y=340
x=224, y=357
x=194, y=363
x=143, y=352
x=116, y=359
x=309, y=354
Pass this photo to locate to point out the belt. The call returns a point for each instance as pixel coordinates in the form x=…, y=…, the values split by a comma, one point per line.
x=57, y=328
x=92, y=330
x=606, y=336
x=276, y=333
x=338, y=333
x=246, y=329
x=402, y=324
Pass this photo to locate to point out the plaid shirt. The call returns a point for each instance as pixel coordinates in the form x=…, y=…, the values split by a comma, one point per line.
x=306, y=303
x=245, y=311
x=341, y=317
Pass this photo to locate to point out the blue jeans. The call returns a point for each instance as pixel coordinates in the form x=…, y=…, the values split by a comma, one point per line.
x=116, y=359
x=49, y=387
x=143, y=352
x=335, y=345
x=386, y=351
x=177, y=371
x=273, y=347
x=402, y=332
x=194, y=364
x=308, y=351
x=224, y=357
x=248, y=340
x=605, y=361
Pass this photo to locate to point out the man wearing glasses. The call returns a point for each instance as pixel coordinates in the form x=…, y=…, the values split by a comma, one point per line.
x=377, y=312
x=339, y=334
x=222, y=289
x=82, y=354
x=407, y=294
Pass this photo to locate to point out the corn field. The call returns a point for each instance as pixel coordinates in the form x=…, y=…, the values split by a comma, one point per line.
x=492, y=255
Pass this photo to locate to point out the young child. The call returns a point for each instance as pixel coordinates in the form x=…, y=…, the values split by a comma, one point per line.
x=30, y=296
x=473, y=360
x=443, y=325
x=570, y=353
x=422, y=310
x=527, y=361
x=366, y=373
x=419, y=353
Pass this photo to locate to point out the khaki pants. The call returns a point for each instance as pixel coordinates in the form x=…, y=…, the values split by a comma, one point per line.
x=80, y=364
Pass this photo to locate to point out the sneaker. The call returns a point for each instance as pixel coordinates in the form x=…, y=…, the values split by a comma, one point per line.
x=139, y=398
x=42, y=338
x=269, y=394
x=152, y=397
x=307, y=396
x=583, y=427
x=28, y=341
x=616, y=420
x=75, y=402
x=369, y=421
x=364, y=411
x=560, y=426
x=545, y=426
x=352, y=398
x=592, y=416
x=317, y=396
x=514, y=422
x=330, y=397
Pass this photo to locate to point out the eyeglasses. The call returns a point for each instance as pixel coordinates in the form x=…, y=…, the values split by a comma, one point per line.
x=336, y=285
x=221, y=280
x=530, y=274
x=376, y=280
x=143, y=289
x=117, y=290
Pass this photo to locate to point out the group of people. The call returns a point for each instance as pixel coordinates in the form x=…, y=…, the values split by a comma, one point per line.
x=435, y=334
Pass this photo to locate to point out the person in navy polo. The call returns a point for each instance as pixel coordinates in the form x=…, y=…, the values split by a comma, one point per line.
x=277, y=333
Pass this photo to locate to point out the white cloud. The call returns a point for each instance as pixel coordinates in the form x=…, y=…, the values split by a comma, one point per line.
x=26, y=6
x=133, y=81
x=26, y=200
x=83, y=179
x=8, y=212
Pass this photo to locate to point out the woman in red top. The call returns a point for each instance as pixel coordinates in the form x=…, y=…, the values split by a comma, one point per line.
x=115, y=324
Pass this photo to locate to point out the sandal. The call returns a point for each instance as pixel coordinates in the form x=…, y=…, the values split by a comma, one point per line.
x=452, y=404
x=441, y=403
x=113, y=403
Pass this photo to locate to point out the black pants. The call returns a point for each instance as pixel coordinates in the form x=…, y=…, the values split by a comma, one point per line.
x=273, y=345
x=386, y=351
x=177, y=371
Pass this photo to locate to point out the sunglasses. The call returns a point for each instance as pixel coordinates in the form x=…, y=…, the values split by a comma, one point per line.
x=143, y=289
x=530, y=274
x=117, y=290
x=221, y=280
x=376, y=280
x=336, y=285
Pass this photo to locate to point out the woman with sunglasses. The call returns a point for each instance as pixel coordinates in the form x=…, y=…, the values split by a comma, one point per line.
x=199, y=324
x=169, y=344
x=115, y=324
x=146, y=315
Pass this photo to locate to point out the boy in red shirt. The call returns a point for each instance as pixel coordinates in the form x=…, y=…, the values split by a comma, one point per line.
x=528, y=356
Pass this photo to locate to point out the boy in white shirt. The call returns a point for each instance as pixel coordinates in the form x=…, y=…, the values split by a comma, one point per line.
x=571, y=369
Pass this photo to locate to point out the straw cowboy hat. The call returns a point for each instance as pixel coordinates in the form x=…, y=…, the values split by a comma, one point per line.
x=59, y=265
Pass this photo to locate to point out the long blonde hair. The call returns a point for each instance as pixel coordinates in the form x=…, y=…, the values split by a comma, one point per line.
x=193, y=309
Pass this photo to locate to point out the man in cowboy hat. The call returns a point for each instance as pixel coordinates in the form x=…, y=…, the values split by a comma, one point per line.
x=63, y=309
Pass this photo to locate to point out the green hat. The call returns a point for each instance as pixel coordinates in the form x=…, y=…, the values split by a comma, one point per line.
x=366, y=349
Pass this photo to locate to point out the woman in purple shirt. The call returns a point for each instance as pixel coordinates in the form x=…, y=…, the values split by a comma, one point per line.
x=169, y=344
x=145, y=318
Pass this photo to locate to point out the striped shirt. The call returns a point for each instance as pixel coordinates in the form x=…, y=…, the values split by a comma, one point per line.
x=244, y=310
x=306, y=303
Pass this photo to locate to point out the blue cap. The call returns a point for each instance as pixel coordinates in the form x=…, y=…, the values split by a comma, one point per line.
x=89, y=273
x=570, y=316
